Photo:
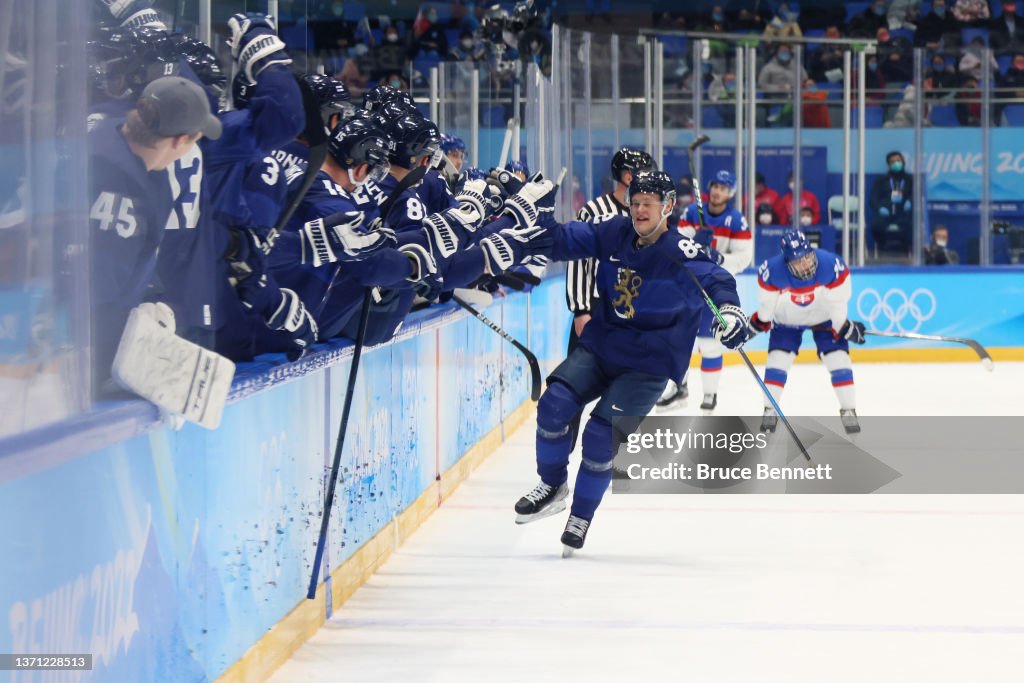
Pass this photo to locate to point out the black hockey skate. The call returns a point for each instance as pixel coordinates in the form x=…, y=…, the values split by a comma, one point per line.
x=674, y=396
x=707, y=407
x=770, y=420
x=850, y=422
x=543, y=501
x=574, y=535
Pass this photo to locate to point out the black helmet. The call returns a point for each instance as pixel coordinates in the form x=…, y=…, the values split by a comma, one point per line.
x=360, y=142
x=633, y=160
x=377, y=97
x=653, y=182
x=332, y=95
x=123, y=60
x=414, y=137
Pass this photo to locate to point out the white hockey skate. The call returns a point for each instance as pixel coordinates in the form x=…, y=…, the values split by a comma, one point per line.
x=770, y=420
x=673, y=397
x=708, y=405
x=543, y=501
x=849, y=419
x=575, y=535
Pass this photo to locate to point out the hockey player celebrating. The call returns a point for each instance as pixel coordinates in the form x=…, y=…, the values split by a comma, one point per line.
x=803, y=288
x=726, y=233
x=649, y=310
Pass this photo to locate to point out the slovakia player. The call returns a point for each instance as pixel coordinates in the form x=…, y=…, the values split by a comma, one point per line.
x=726, y=233
x=640, y=334
x=807, y=288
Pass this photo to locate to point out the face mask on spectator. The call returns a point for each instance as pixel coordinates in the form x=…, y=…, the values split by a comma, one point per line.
x=730, y=86
x=939, y=65
x=791, y=186
x=783, y=56
x=1009, y=8
x=396, y=83
x=391, y=37
x=805, y=220
x=896, y=167
x=940, y=10
x=717, y=17
x=872, y=66
x=432, y=17
x=764, y=218
x=1018, y=63
x=878, y=9
x=467, y=43
x=940, y=243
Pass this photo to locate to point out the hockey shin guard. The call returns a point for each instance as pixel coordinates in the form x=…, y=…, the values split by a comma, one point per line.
x=775, y=373
x=555, y=412
x=841, y=368
x=596, y=469
x=710, y=364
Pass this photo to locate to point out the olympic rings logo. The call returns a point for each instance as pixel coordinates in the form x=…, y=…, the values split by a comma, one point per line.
x=895, y=306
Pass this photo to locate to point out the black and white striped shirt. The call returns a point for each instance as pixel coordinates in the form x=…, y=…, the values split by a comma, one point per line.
x=581, y=276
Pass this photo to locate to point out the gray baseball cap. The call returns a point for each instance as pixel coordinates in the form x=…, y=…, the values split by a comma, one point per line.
x=183, y=107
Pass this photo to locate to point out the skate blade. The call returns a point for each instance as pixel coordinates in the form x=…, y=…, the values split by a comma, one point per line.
x=567, y=551
x=852, y=429
x=553, y=509
x=707, y=411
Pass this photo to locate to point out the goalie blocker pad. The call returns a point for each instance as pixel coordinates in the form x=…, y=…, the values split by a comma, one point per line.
x=177, y=375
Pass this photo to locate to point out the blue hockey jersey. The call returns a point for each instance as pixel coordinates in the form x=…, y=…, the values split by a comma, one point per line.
x=649, y=308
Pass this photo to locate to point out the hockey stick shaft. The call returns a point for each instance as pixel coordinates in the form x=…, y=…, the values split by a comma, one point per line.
x=718, y=315
x=339, y=445
x=535, y=379
x=506, y=144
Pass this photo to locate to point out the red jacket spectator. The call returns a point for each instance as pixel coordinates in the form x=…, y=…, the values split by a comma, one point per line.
x=783, y=208
x=763, y=193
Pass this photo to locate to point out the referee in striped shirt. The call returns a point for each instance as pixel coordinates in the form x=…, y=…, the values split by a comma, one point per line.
x=580, y=277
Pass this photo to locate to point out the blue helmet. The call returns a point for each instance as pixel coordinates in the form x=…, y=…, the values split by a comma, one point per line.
x=359, y=142
x=725, y=178
x=518, y=167
x=414, y=138
x=332, y=96
x=795, y=249
x=474, y=173
x=451, y=143
x=653, y=182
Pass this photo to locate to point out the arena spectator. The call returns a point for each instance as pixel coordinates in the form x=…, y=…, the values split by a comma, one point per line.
x=763, y=195
x=972, y=59
x=815, y=112
x=784, y=23
x=968, y=102
x=891, y=206
x=469, y=49
x=1013, y=79
x=873, y=80
x=938, y=28
x=907, y=111
x=867, y=23
x=903, y=13
x=937, y=252
x=429, y=35
x=391, y=56
x=826, y=58
x=895, y=57
x=971, y=11
x=1006, y=33
x=783, y=208
x=776, y=76
x=943, y=75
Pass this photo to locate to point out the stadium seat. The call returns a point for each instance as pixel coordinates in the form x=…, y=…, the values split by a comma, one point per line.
x=1013, y=115
x=1004, y=62
x=969, y=34
x=944, y=116
x=835, y=211
x=873, y=115
x=712, y=118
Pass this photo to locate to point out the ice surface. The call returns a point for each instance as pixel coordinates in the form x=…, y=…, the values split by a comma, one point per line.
x=706, y=588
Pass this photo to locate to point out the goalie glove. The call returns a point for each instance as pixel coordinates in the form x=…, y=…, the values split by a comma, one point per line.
x=735, y=331
x=255, y=45
x=342, y=237
x=427, y=282
x=516, y=246
x=852, y=330
x=292, y=317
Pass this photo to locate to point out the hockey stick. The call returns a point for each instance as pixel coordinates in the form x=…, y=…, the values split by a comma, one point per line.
x=535, y=379
x=316, y=136
x=986, y=360
x=983, y=355
x=346, y=409
x=506, y=144
x=714, y=309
